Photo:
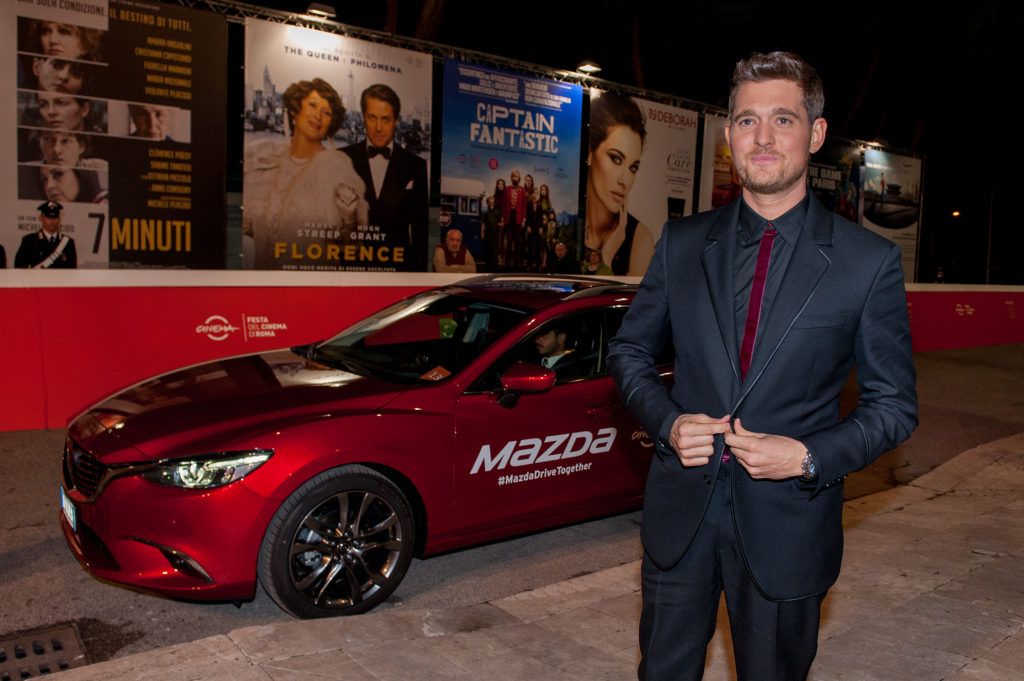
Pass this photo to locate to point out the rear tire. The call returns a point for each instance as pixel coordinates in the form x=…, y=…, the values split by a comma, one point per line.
x=339, y=545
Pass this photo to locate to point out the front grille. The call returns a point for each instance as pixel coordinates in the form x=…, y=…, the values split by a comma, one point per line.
x=82, y=471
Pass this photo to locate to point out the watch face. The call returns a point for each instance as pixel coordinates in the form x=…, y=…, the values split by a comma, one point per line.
x=807, y=466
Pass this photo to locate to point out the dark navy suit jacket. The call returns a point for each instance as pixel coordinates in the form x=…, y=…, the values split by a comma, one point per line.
x=401, y=209
x=841, y=303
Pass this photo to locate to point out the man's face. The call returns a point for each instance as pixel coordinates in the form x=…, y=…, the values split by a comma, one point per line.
x=490, y=203
x=771, y=137
x=379, y=119
x=62, y=112
x=454, y=241
x=57, y=75
x=50, y=225
x=515, y=178
x=560, y=250
x=550, y=343
x=61, y=40
x=151, y=122
x=60, y=149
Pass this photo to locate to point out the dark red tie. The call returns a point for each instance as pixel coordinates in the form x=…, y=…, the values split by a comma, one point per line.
x=764, y=255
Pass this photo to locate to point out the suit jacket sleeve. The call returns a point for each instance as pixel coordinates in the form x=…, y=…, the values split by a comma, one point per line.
x=886, y=413
x=645, y=332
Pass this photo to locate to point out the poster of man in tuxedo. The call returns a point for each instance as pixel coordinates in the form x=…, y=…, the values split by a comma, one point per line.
x=337, y=152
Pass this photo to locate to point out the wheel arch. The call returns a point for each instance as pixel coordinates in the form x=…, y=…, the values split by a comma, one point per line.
x=412, y=495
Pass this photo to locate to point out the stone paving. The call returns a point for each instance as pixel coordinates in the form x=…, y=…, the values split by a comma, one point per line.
x=932, y=589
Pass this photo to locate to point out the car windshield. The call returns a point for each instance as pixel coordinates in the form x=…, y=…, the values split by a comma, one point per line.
x=425, y=338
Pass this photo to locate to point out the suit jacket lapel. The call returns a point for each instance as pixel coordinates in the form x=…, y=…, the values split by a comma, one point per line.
x=391, y=188
x=807, y=266
x=719, y=271
x=361, y=162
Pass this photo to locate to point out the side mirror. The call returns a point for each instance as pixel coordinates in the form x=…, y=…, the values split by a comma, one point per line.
x=524, y=377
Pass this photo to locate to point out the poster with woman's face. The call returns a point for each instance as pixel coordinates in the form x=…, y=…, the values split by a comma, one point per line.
x=337, y=150
x=102, y=95
x=55, y=57
x=641, y=164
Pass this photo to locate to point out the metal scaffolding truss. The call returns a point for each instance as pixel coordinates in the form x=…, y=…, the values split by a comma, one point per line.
x=238, y=12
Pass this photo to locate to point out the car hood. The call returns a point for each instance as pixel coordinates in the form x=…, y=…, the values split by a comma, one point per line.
x=208, y=406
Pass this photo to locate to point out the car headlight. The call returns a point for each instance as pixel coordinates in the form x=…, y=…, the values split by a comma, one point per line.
x=208, y=471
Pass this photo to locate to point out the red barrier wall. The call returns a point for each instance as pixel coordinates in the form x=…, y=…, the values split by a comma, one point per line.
x=947, y=317
x=71, y=338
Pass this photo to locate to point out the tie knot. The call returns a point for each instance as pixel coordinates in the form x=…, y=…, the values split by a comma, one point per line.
x=383, y=151
x=770, y=231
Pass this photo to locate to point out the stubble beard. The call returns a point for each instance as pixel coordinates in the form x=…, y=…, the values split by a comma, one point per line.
x=784, y=179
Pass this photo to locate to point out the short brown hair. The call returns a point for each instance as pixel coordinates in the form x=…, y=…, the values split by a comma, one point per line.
x=760, y=67
x=383, y=93
x=298, y=91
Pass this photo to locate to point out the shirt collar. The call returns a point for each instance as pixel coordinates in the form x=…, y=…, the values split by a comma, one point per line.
x=752, y=226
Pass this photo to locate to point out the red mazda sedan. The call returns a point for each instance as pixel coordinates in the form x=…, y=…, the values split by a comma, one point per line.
x=319, y=471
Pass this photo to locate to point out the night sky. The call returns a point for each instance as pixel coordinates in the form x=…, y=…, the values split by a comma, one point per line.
x=935, y=79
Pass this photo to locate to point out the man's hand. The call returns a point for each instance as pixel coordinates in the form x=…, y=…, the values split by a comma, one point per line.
x=693, y=437
x=766, y=457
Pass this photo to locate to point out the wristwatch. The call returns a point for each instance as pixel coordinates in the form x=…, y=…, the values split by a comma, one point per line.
x=807, y=466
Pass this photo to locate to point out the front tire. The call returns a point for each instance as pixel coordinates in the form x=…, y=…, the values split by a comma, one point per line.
x=339, y=545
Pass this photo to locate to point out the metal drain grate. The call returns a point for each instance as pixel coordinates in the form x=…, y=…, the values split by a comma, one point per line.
x=41, y=652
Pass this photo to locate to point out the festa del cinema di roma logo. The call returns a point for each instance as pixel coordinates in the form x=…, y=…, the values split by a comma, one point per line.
x=218, y=328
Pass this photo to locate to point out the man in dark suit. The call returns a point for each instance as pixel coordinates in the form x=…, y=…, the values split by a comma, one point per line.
x=396, y=180
x=47, y=248
x=767, y=304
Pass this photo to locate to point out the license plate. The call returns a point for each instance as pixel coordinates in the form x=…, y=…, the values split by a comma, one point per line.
x=68, y=507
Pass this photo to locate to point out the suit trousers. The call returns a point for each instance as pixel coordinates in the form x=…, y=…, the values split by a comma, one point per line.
x=772, y=640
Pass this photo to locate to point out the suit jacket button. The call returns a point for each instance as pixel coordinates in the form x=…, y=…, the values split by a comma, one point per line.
x=707, y=479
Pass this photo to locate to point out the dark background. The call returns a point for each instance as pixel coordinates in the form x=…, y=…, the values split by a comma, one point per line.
x=938, y=80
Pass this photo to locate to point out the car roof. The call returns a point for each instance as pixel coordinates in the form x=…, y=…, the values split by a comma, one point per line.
x=536, y=291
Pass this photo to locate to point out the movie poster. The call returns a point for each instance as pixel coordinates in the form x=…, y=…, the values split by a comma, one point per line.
x=509, y=172
x=337, y=152
x=892, y=201
x=833, y=174
x=105, y=94
x=719, y=184
x=641, y=166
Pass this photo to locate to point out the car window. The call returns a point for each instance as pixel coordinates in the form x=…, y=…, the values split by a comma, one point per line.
x=422, y=339
x=573, y=345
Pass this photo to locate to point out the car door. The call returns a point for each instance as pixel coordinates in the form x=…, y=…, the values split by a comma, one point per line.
x=527, y=458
